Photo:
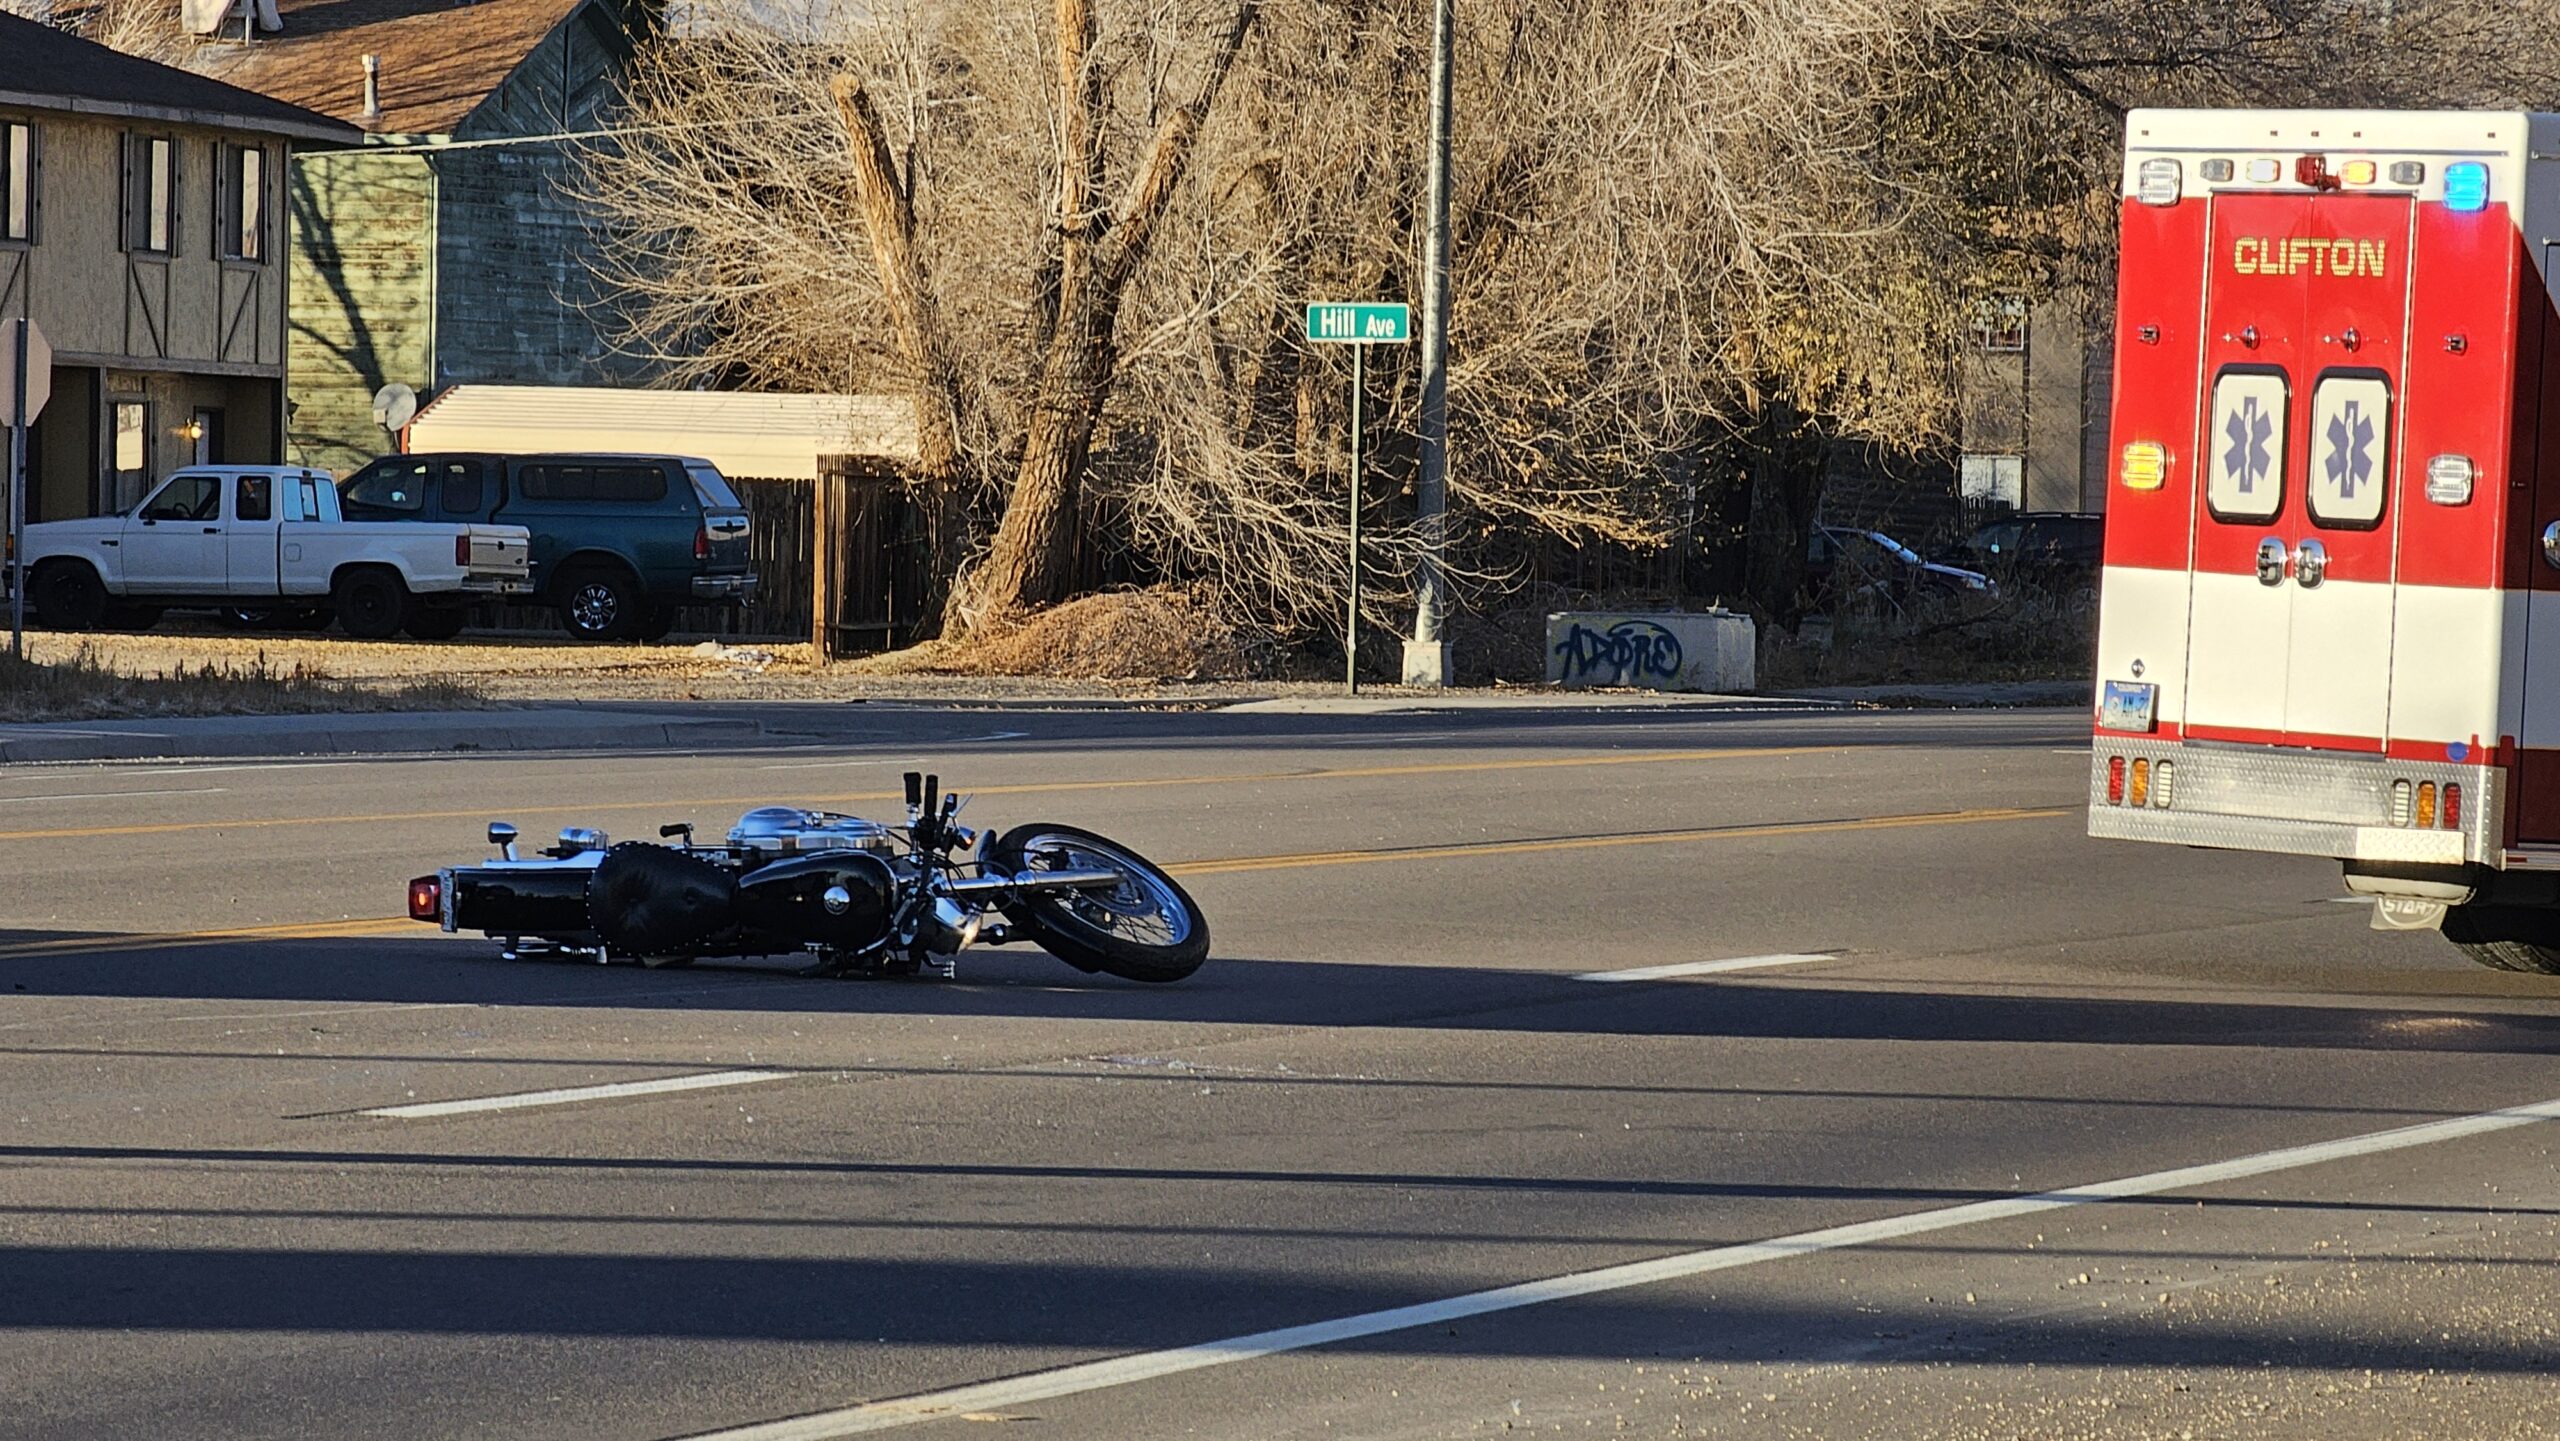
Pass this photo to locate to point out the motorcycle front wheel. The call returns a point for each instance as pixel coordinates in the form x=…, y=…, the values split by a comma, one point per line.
x=1147, y=929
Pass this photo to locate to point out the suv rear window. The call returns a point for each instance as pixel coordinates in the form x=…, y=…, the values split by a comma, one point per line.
x=389, y=485
x=713, y=488
x=549, y=480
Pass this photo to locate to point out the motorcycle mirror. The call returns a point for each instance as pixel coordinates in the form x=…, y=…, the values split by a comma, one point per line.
x=503, y=836
x=915, y=789
x=932, y=784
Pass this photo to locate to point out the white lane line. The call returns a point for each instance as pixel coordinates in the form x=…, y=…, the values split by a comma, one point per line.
x=203, y=770
x=1151, y=1365
x=109, y=795
x=700, y=1082
x=1703, y=968
x=899, y=760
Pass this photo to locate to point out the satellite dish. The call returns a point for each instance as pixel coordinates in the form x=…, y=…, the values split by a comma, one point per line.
x=394, y=406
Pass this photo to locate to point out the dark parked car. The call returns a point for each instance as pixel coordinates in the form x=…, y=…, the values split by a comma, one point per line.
x=619, y=541
x=1846, y=559
x=2054, y=550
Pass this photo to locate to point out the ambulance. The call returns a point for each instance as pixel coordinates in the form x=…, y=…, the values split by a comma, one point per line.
x=2330, y=614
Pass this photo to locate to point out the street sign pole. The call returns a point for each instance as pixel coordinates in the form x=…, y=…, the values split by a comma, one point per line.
x=17, y=488
x=1351, y=627
x=1359, y=326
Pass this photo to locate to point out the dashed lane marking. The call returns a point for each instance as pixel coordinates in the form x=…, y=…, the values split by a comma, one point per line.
x=1704, y=968
x=112, y=795
x=1154, y=1365
x=570, y=1096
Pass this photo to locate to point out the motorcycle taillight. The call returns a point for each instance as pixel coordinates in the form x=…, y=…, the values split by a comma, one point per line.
x=426, y=899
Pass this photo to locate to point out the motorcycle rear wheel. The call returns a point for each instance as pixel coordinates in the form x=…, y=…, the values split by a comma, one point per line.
x=1149, y=929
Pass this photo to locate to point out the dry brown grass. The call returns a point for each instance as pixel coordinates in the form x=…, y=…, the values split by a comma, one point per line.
x=85, y=687
x=1161, y=634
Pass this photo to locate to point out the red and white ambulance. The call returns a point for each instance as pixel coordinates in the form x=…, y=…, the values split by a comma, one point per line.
x=2330, y=622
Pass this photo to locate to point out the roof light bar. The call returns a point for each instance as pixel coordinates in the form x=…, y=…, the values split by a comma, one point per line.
x=2466, y=186
x=2160, y=181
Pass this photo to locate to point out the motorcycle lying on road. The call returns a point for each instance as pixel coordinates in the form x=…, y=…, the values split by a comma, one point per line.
x=860, y=897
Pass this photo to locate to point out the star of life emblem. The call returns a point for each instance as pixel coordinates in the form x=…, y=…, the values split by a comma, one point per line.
x=2350, y=464
x=2250, y=456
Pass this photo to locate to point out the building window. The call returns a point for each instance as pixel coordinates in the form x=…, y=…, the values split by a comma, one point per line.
x=150, y=194
x=244, y=202
x=2000, y=322
x=17, y=181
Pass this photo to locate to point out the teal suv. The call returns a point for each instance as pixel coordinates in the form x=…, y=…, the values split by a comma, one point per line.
x=620, y=542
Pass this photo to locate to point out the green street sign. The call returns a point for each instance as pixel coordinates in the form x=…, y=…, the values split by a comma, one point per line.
x=1336, y=322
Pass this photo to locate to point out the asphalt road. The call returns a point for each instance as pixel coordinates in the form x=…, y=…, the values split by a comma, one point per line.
x=1992, y=1131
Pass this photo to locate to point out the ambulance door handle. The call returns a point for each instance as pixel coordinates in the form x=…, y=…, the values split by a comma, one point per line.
x=2310, y=564
x=2551, y=543
x=2271, y=559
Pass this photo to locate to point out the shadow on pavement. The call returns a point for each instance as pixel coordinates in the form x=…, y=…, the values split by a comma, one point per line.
x=1080, y=1306
x=1019, y=983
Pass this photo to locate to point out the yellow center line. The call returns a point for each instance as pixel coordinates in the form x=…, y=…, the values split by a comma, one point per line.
x=299, y=931
x=1585, y=843
x=347, y=929
x=1335, y=773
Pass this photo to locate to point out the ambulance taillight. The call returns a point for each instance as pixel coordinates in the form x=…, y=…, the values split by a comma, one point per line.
x=2452, y=807
x=2115, y=780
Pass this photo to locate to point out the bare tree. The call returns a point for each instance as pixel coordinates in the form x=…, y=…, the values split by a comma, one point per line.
x=1691, y=239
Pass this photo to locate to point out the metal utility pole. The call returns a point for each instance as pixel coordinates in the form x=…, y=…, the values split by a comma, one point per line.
x=1426, y=656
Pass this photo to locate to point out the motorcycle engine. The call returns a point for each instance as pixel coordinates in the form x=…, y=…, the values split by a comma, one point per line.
x=769, y=833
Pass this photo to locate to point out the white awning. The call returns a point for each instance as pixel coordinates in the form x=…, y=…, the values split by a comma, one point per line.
x=769, y=437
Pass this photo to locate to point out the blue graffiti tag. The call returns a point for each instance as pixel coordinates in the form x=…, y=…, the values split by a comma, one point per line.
x=1630, y=651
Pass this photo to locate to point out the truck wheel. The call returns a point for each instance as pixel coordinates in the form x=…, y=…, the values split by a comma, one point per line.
x=371, y=603
x=69, y=596
x=598, y=605
x=437, y=622
x=2513, y=956
x=2497, y=937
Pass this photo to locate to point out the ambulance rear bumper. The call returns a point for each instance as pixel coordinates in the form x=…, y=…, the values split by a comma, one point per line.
x=2304, y=803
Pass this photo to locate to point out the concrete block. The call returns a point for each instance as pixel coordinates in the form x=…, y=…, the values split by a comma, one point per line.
x=1427, y=665
x=1716, y=651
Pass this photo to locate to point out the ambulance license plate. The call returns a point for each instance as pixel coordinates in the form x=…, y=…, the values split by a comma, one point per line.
x=2126, y=706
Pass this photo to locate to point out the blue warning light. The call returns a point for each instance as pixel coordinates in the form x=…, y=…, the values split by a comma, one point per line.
x=2466, y=186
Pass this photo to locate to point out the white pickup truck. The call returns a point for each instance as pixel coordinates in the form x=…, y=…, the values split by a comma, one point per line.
x=268, y=538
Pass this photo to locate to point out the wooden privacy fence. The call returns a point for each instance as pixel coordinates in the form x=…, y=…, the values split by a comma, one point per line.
x=857, y=516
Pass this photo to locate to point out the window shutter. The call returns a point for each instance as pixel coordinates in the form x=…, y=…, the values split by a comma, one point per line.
x=221, y=188
x=129, y=185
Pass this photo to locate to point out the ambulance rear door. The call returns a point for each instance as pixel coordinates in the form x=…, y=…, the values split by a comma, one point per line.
x=2293, y=588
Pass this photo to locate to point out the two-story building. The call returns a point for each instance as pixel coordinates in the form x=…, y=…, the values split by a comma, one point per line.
x=141, y=225
x=449, y=248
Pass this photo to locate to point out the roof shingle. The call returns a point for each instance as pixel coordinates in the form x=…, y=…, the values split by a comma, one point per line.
x=46, y=69
x=440, y=58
